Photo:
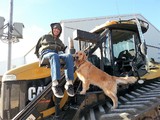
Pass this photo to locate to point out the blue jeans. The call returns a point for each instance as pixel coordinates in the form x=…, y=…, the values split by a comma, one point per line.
x=54, y=59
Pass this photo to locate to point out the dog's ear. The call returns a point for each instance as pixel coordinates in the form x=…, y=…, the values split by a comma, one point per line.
x=84, y=56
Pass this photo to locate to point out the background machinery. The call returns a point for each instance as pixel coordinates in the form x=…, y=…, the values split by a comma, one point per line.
x=116, y=47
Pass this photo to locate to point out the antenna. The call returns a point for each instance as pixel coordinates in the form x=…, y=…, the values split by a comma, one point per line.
x=117, y=7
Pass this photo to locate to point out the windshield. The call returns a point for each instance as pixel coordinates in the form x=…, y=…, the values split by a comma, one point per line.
x=123, y=41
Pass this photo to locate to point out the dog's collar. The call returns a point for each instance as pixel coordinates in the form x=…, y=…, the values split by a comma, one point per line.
x=81, y=64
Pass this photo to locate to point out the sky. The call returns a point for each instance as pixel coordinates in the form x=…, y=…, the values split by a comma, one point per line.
x=36, y=15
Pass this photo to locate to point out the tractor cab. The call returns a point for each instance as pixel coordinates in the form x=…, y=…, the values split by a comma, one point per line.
x=118, y=46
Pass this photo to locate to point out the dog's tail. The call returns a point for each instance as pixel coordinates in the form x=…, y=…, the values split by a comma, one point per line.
x=126, y=80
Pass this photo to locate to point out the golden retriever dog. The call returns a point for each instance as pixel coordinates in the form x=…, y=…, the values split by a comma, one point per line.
x=90, y=74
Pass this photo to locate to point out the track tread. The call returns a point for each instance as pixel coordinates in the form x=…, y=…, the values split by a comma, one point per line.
x=131, y=105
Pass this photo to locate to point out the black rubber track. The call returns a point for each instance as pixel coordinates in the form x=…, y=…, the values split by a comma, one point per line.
x=132, y=105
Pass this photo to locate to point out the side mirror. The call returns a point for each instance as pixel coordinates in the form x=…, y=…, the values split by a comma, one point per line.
x=143, y=48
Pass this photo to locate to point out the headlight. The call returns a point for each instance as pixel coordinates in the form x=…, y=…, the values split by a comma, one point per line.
x=8, y=77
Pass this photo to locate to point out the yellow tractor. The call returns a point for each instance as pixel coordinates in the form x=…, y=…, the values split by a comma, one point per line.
x=116, y=47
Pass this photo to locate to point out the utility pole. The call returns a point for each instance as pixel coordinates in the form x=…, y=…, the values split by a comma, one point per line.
x=14, y=33
x=10, y=28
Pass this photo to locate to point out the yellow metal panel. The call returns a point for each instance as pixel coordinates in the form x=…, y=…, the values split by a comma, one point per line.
x=153, y=73
x=104, y=25
x=30, y=72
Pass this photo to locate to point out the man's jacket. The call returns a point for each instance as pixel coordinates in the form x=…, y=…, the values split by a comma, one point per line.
x=48, y=42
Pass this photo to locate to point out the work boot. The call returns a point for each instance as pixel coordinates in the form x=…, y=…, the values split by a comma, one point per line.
x=69, y=88
x=57, y=91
